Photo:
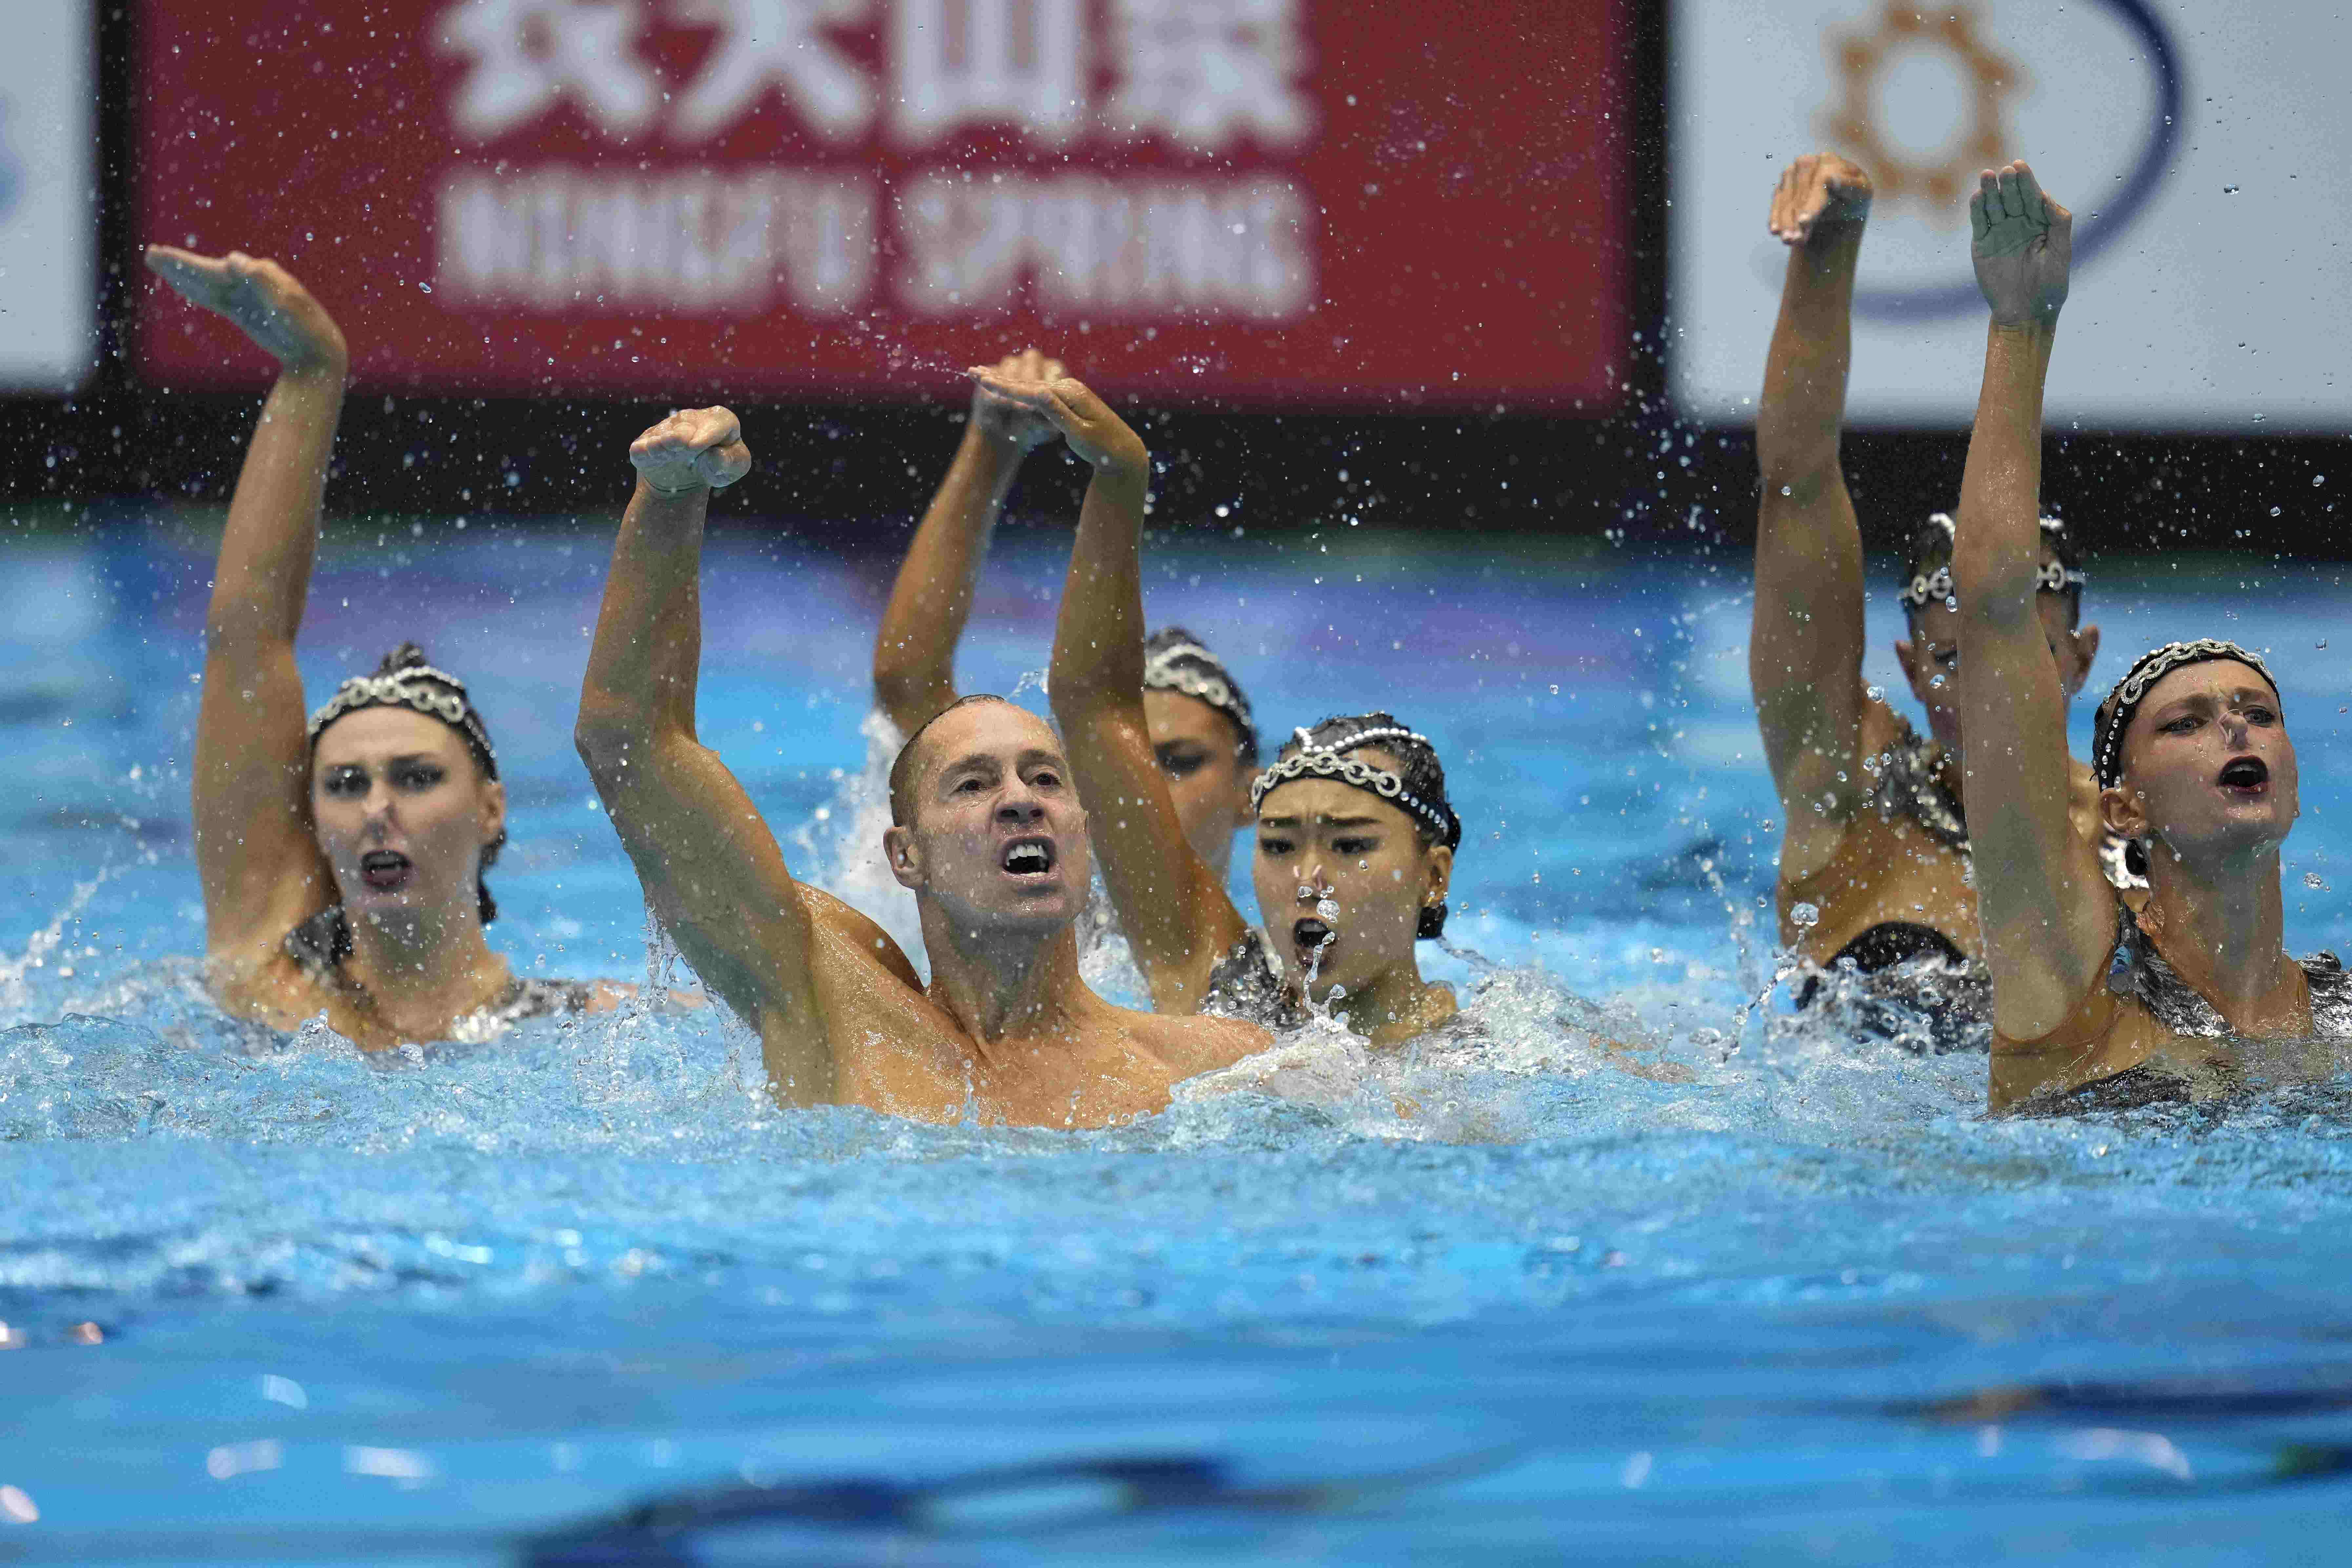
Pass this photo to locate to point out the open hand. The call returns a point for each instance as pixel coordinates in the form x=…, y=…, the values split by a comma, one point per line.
x=999, y=417
x=1085, y=421
x=262, y=298
x=690, y=450
x=2022, y=243
x=1819, y=193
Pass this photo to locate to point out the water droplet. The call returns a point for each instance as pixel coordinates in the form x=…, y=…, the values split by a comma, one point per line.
x=1805, y=916
x=2312, y=879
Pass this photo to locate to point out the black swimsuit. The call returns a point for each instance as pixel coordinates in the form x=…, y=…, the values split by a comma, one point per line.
x=1247, y=983
x=1938, y=984
x=320, y=944
x=2138, y=971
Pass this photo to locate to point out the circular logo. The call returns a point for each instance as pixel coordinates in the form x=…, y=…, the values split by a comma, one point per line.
x=1990, y=79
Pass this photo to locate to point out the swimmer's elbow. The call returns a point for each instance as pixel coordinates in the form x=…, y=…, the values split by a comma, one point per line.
x=608, y=735
x=1992, y=601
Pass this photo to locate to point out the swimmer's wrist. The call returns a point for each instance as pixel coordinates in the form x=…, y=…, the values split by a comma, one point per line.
x=666, y=494
x=2036, y=323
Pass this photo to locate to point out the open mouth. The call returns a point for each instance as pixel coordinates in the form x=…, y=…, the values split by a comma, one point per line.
x=1310, y=936
x=2247, y=773
x=1027, y=857
x=385, y=870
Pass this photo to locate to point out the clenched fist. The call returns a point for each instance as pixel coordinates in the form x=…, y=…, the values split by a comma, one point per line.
x=694, y=449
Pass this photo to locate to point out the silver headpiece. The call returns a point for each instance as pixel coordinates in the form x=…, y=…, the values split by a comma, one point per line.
x=1926, y=588
x=1192, y=670
x=434, y=693
x=2115, y=713
x=1328, y=762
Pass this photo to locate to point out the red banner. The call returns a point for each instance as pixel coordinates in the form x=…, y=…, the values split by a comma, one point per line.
x=1301, y=201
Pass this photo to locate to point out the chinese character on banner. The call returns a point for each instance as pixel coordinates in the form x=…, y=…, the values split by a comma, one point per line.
x=528, y=54
x=775, y=43
x=987, y=62
x=1201, y=72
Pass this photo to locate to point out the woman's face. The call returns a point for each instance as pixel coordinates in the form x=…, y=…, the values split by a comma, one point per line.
x=1342, y=878
x=2208, y=766
x=1195, y=746
x=403, y=813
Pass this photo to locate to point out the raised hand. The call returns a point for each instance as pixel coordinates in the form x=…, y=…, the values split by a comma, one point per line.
x=1084, y=419
x=1821, y=193
x=2022, y=243
x=690, y=450
x=996, y=415
x=262, y=298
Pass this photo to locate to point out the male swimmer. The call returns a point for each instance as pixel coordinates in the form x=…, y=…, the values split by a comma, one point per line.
x=2092, y=1004
x=1356, y=838
x=1203, y=734
x=342, y=859
x=987, y=833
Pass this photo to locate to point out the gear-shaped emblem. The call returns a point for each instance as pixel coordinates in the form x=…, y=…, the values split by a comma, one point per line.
x=1862, y=57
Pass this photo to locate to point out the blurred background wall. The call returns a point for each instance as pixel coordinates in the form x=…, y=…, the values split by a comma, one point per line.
x=1498, y=266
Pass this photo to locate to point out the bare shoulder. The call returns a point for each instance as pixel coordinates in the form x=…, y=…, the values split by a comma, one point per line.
x=1882, y=728
x=271, y=989
x=846, y=931
x=1192, y=1044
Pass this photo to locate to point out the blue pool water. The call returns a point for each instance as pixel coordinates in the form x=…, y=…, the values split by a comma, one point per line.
x=1791, y=1299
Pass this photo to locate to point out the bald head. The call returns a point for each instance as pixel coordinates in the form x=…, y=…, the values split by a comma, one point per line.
x=907, y=769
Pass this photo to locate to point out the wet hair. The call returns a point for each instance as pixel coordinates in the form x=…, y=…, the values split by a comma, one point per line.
x=909, y=762
x=2122, y=704
x=1417, y=788
x=1176, y=661
x=406, y=678
x=1930, y=550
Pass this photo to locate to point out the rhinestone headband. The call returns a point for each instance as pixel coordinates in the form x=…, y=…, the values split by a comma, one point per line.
x=1931, y=590
x=1177, y=668
x=436, y=693
x=1326, y=762
x=2115, y=713
x=1927, y=589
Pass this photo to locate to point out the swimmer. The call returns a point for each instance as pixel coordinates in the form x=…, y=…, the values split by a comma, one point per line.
x=1202, y=732
x=1874, y=846
x=987, y=833
x=2092, y=1004
x=1355, y=836
x=342, y=859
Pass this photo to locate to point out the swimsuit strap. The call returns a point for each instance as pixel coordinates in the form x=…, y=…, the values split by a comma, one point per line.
x=1911, y=785
x=2138, y=970
x=320, y=944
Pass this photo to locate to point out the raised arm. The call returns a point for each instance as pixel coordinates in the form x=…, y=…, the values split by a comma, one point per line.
x=914, y=657
x=1176, y=918
x=710, y=866
x=260, y=867
x=2048, y=915
x=1804, y=654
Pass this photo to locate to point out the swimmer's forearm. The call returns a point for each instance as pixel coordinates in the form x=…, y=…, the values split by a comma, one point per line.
x=1099, y=636
x=263, y=577
x=644, y=662
x=930, y=601
x=1996, y=555
x=1799, y=416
